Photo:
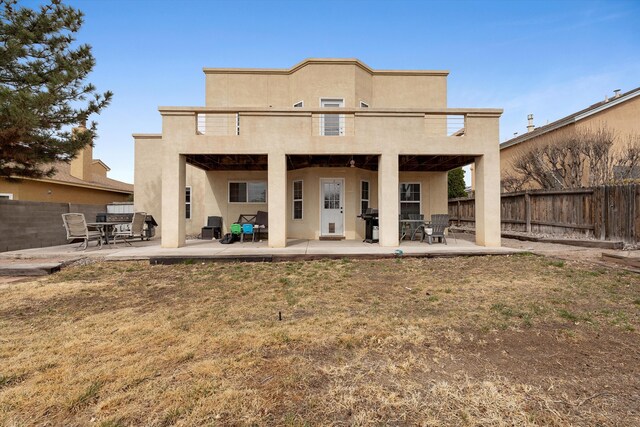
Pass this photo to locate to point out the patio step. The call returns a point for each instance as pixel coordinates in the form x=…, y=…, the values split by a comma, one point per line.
x=29, y=269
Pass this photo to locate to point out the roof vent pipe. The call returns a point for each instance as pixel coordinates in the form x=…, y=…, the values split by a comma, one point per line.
x=617, y=93
x=530, y=126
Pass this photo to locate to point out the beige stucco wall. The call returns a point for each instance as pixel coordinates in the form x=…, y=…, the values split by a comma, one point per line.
x=319, y=80
x=395, y=124
x=47, y=191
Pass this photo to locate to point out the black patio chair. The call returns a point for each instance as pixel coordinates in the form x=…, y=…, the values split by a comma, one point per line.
x=261, y=223
x=213, y=229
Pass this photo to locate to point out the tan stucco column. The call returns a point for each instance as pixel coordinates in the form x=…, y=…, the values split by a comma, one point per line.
x=277, y=200
x=173, y=200
x=388, y=202
x=488, y=199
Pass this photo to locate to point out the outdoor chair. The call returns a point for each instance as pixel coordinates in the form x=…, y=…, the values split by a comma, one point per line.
x=76, y=227
x=435, y=228
x=213, y=229
x=262, y=223
x=247, y=229
x=236, y=229
x=133, y=230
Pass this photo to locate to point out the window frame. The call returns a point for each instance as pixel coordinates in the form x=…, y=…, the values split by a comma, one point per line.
x=247, y=182
x=294, y=200
x=341, y=117
x=362, y=199
x=419, y=201
x=188, y=191
x=7, y=196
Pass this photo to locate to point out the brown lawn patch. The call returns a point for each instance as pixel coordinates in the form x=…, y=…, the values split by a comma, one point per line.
x=519, y=340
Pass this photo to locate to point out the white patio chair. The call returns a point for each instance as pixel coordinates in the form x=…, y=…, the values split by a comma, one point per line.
x=76, y=227
x=133, y=230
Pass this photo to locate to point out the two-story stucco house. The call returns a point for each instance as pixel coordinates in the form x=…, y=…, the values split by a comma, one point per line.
x=314, y=145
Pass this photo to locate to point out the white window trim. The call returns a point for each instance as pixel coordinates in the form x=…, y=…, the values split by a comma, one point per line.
x=190, y=202
x=361, y=199
x=401, y=201
x=7, y=195
x=266, y=196
x=294, y=200
x=341, y=127
x=295, y=104
x=364, y=104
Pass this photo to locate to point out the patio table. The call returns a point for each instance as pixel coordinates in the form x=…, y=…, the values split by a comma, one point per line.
x=106, y=227
x=406, y=224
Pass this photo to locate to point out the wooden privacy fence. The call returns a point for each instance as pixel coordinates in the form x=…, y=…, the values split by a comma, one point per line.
x=610, y=212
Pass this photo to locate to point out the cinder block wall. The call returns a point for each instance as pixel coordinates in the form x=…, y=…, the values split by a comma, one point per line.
x=25, y=225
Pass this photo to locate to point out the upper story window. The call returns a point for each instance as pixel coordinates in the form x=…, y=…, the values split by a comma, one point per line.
x=299, y=104
x=332, y=124
x=364, y=104
x=8, y=196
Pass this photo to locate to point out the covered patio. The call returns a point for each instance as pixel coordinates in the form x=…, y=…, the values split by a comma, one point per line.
x=296, y=249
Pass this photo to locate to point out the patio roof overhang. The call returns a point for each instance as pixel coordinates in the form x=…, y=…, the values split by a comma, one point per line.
x=259, y=162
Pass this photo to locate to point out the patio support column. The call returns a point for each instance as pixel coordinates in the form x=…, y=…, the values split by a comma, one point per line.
x=488, y=199
x=388, y=202
x=277, y=200
x=173, y=200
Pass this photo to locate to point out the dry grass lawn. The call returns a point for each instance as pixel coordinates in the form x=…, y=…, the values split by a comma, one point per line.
x=492, y=341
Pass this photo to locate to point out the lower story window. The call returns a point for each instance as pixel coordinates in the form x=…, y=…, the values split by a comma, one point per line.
x=187, y=198
x=297, y=199
x=409, y=198
x=364, y=196
x=248, y=192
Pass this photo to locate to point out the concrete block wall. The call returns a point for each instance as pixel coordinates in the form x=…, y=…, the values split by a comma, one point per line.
x=25, y=225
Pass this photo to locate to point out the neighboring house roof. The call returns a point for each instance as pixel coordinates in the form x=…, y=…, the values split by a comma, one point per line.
x=572, y=118
x=63, y=176
x=104, y=165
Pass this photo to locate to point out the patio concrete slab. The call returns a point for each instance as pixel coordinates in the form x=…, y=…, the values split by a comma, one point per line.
x=296, y=249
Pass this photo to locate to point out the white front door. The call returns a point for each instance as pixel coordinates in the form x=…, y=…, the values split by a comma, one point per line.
x=331, y=207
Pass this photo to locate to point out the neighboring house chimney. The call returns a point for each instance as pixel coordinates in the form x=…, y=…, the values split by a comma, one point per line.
x=81, y=166
x=530, y=126
x=617, y=93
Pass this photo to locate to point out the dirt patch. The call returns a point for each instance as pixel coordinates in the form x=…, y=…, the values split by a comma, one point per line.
x=510, y=340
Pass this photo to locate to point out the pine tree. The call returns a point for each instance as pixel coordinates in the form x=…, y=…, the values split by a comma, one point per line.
x=456, y=183
x=43, y=92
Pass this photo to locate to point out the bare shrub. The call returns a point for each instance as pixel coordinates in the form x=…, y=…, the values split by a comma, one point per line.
x=575, y=159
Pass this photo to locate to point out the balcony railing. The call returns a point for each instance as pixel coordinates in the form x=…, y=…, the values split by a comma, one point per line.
x=331, y=122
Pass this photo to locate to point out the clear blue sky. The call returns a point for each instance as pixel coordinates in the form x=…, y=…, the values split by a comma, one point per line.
x=549, y=58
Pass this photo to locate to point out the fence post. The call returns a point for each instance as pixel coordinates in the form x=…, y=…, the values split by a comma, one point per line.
x=458, y=212
x=527, y=210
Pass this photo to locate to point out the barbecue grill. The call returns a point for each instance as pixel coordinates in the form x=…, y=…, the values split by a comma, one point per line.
x=149, y=229
x=370, y=217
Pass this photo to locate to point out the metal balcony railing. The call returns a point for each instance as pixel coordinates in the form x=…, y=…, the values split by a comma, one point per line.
x=331, y=122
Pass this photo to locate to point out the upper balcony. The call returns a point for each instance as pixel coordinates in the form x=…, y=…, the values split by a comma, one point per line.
x=333, y=129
